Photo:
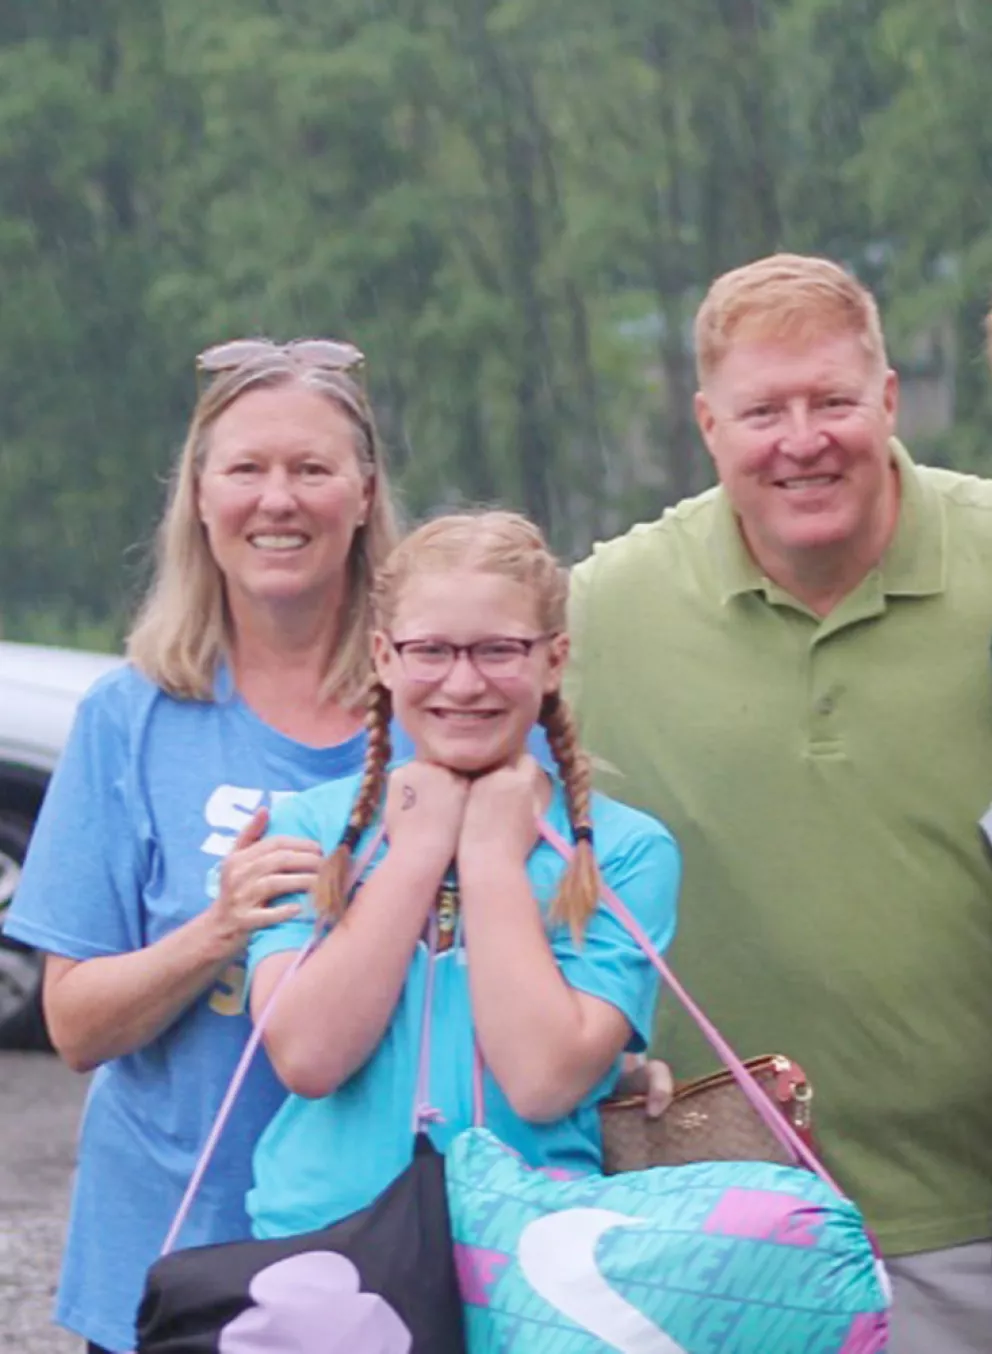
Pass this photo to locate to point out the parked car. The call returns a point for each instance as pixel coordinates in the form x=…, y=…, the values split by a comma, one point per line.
x=40, y=688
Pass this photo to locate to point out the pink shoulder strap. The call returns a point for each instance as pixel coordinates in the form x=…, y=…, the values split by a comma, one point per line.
x=244, y=1062
x=772, y=1117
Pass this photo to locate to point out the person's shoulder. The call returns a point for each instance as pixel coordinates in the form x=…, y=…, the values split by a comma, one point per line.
x=679, y=528
x=620, y=829
x=970, y=493
x=321, y=812
x=118, y=702
x=965, y=508
x=127, y=701
x=119, y=689
x=640, y=860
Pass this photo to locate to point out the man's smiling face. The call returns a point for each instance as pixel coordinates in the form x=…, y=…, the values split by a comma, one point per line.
x=799, y=434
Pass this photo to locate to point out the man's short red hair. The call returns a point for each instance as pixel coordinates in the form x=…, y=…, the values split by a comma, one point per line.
x=784, y=297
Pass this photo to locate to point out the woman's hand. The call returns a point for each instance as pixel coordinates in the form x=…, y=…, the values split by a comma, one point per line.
x=425, y=805
x=650, y=1078
x=109, y=1006
x=255, y=871
x=502, y=812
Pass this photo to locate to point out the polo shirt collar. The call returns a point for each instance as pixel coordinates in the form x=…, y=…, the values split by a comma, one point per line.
x=912, y=566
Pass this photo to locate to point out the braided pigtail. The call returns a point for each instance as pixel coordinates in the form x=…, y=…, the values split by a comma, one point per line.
x=578, y=893
x=330, y=894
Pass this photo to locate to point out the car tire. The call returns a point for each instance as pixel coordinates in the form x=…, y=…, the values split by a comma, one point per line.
x=22, y=1024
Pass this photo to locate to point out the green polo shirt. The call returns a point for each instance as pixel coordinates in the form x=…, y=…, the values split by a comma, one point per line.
x=824, y=779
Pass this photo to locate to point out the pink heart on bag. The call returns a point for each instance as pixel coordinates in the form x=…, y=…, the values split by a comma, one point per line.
x=313, y=1304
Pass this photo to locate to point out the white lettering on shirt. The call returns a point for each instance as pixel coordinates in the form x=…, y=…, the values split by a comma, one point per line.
x=229, y=810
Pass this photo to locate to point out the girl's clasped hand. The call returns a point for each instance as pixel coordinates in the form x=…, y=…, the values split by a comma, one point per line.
x=431, y=809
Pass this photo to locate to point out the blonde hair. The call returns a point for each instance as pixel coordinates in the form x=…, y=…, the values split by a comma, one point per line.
x=785, y=296
x=183, y=630
x=505, y=544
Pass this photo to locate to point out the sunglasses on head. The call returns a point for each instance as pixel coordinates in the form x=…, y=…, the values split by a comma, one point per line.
x=328, y=354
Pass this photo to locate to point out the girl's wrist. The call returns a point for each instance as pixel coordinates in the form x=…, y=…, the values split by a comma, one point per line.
x=420, y=863
x=489, y=858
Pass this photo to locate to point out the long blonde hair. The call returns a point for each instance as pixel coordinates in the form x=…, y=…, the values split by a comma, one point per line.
x=183, y=629
x=508, y=545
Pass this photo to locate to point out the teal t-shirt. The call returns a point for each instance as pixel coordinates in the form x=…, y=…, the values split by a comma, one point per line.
x=320, y=1160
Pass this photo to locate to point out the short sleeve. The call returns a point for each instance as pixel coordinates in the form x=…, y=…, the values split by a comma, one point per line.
x=290, y=817
x=644, y=871
x=80, y=894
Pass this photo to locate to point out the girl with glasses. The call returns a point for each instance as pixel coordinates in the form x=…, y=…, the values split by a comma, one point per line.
x=526, y=968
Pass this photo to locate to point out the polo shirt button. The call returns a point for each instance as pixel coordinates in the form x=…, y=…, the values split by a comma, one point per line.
x=825, y=705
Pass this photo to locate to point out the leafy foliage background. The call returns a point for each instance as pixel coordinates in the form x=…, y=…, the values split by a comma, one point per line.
x=513, y=207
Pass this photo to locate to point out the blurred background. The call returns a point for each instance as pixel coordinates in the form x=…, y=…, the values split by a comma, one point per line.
x=514, y=208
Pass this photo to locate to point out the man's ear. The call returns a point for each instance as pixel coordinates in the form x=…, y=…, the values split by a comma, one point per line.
x=705, y=419
x=890, y=399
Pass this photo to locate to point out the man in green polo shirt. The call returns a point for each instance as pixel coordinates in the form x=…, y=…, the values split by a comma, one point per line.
x=793, y=671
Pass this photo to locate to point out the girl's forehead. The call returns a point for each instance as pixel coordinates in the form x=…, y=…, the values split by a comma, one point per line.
x=461, y=595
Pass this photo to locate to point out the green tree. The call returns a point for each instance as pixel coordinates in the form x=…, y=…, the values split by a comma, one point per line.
x=513, y=206
x=926, y=173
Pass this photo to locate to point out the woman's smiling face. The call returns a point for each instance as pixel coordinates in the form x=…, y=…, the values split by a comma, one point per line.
x=281, y=495
x=470, y=712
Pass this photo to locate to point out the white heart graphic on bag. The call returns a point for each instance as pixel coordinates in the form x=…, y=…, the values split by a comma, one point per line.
x=313, y=1304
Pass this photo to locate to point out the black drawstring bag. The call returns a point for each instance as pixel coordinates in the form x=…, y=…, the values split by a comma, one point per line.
x=381, y=1281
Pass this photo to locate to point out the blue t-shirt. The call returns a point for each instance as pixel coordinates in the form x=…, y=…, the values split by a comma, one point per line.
x=320, y=1160
x=146, y=802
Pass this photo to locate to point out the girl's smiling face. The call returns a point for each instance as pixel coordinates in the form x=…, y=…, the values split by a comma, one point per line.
x=468, y=711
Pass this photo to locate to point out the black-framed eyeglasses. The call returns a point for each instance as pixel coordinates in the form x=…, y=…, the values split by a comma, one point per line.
x=431, y=660
x=330, y=354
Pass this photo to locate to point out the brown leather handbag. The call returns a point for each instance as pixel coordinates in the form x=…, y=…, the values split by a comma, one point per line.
x=753, y=1111
x=709, y=1119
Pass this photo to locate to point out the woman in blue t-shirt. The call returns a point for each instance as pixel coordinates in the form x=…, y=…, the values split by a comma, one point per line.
x=147, y=870
x=461, y=888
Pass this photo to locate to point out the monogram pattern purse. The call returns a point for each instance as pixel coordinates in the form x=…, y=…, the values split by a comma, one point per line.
x=709, y=1119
